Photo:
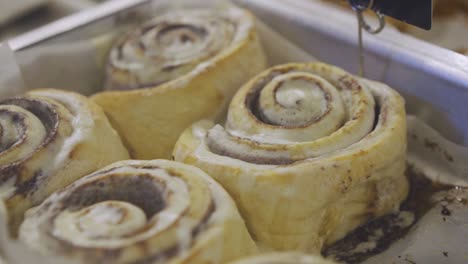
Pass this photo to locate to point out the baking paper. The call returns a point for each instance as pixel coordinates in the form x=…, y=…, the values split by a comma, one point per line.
x=10, y=10
x=438, y=237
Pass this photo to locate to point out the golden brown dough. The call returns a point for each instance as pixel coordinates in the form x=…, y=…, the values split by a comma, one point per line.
x=155, y=211
x=49, y=138
x=309, y=152
x=175, y=70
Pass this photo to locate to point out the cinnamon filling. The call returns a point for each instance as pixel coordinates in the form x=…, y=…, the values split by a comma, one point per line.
x=167, y=48
x=17, y=120
x=43, y=110
x=49, y=118
x=224, y=143
x=142, y=190
x=139, y=190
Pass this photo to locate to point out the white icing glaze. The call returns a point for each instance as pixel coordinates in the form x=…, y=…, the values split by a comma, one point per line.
x=197, y=39
x=82, y=124
x=301, y=99
x=103, y=220
x=7, y=189
x=296, y=91
x=10, y=134
x=104, y=225
x=325, y=130
x=18, y=144
x=184, y=233
x=306, y=194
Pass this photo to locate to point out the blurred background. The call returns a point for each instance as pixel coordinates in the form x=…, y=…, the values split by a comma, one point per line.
x=20, y=16
x=449, y=29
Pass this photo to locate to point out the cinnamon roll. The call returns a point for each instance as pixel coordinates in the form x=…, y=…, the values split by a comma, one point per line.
x=155, y=211
x=48, y=139
x=174, y=70
x=283, y=258
x=309, y=152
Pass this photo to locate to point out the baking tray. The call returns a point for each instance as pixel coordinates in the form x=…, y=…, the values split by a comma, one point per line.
x=29, y=16
x=433, y=80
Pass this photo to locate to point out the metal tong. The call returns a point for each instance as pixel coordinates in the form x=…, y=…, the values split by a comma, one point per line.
x=414, y=12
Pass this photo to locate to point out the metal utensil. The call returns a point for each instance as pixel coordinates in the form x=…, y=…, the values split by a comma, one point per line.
x=72, y=22
x=415, y=12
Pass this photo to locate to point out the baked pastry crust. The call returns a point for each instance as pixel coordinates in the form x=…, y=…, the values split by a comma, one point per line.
x=155, y=211
x=309, y=152
x=50, y=138
x=175, y=70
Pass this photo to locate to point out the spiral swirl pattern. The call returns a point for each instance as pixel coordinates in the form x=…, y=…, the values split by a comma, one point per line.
x=188, y=64
x=299, y=112
x=169, y=46
x=310, y=135
x=40, y=134
x=140, y=212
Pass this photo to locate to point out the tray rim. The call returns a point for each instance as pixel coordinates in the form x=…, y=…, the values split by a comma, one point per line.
x=402, y=47
x=398, y=46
